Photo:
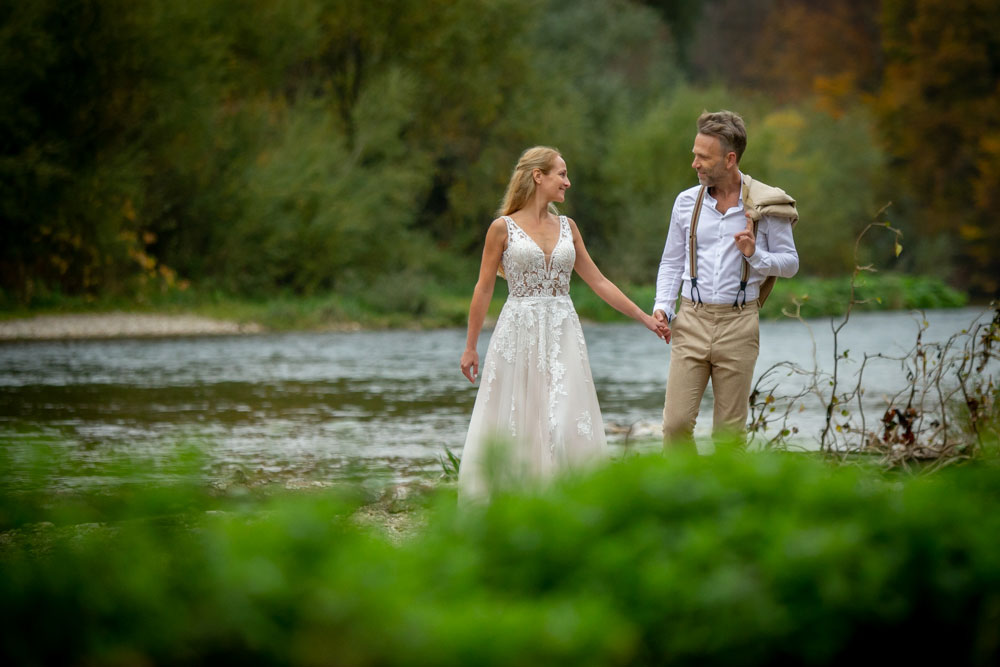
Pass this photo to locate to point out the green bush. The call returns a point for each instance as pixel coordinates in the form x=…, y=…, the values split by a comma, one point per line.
x=819, y=297
x=762, y=559
x=882, y=291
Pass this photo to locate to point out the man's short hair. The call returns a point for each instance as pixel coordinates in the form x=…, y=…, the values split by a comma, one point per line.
x=729, y=129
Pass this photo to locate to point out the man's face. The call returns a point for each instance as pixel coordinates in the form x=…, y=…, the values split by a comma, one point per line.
x=709, y=161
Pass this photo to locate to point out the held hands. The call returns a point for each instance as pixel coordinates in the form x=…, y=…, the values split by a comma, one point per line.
x=470, y=364
x=658, y=324
x=745, y=239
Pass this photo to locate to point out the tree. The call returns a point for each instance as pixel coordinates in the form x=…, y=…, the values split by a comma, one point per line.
x=792, y=49
x=940, y=115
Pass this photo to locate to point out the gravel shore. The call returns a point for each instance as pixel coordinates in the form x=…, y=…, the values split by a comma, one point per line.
x=118, y=325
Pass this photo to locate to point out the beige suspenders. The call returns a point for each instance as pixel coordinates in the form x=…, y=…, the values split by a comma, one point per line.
x=693, y=253
x=693, y=247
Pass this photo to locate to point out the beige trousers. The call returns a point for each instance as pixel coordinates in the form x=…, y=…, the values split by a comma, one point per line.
x=714, y=342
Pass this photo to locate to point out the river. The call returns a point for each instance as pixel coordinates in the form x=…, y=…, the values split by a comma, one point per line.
x=319, y=407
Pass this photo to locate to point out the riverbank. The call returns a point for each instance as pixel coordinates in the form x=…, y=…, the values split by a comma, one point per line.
x=119, y=325
x=196, y=313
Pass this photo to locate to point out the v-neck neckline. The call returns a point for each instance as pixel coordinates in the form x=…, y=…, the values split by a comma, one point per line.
x=547, y=258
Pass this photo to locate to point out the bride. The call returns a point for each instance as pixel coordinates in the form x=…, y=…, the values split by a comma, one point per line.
x=536, y=411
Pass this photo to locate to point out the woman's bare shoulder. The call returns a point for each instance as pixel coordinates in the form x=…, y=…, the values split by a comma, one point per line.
x=497, y=230
x=497, y=226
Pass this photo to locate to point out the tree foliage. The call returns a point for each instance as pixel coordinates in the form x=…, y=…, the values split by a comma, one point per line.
x=940, y=115
x=316, y=145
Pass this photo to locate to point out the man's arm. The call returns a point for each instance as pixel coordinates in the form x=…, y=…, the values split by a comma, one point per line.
x=775, y=253
x=671, y=271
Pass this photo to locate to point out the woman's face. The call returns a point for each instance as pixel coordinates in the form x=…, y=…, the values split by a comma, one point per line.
x=553, y=185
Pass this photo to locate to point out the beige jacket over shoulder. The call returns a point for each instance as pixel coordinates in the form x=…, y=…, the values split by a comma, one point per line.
x=760, y=199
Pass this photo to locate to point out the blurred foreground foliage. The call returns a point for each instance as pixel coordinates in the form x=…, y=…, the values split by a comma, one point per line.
x=337, y=146
x=731, y=559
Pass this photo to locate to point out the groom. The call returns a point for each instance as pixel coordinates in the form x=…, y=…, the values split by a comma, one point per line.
x=718, y=271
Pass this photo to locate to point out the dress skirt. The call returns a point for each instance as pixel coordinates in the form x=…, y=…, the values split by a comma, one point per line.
x=536, y=412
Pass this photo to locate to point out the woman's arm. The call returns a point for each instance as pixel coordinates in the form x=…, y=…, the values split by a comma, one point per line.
x=496, y=239
x=608, y=291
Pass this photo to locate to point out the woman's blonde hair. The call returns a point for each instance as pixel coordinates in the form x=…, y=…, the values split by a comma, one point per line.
x=521, y=188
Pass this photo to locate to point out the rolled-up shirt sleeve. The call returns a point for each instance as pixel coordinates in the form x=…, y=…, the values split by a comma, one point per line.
x=775, y=254
x=671, y=271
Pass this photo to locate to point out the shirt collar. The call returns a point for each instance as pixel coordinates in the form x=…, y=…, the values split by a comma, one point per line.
x=739, y=202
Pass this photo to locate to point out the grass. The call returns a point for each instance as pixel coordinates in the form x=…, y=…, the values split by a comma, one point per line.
x=426, y=304
x=820, y=297
x=436, y=307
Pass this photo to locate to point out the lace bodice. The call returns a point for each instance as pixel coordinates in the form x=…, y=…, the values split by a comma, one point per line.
x=529, y=272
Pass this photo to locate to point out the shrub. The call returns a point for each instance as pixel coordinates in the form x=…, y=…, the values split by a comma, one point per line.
x=728, y=560
x=884, y=291
x=820, y=297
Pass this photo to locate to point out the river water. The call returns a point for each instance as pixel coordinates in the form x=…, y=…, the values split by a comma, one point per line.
x=327, y=406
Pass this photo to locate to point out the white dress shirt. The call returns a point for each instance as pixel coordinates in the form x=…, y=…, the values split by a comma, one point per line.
x=720, y=262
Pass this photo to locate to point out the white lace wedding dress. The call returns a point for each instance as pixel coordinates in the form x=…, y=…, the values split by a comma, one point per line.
x=536, y=412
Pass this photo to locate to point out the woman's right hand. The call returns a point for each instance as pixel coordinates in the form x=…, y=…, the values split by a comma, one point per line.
x=470, y=364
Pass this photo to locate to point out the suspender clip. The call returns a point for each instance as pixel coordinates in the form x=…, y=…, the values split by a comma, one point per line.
x=695, y=292
x=742, y=290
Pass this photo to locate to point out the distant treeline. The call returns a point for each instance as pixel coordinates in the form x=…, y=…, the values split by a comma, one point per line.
x=309, y=146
